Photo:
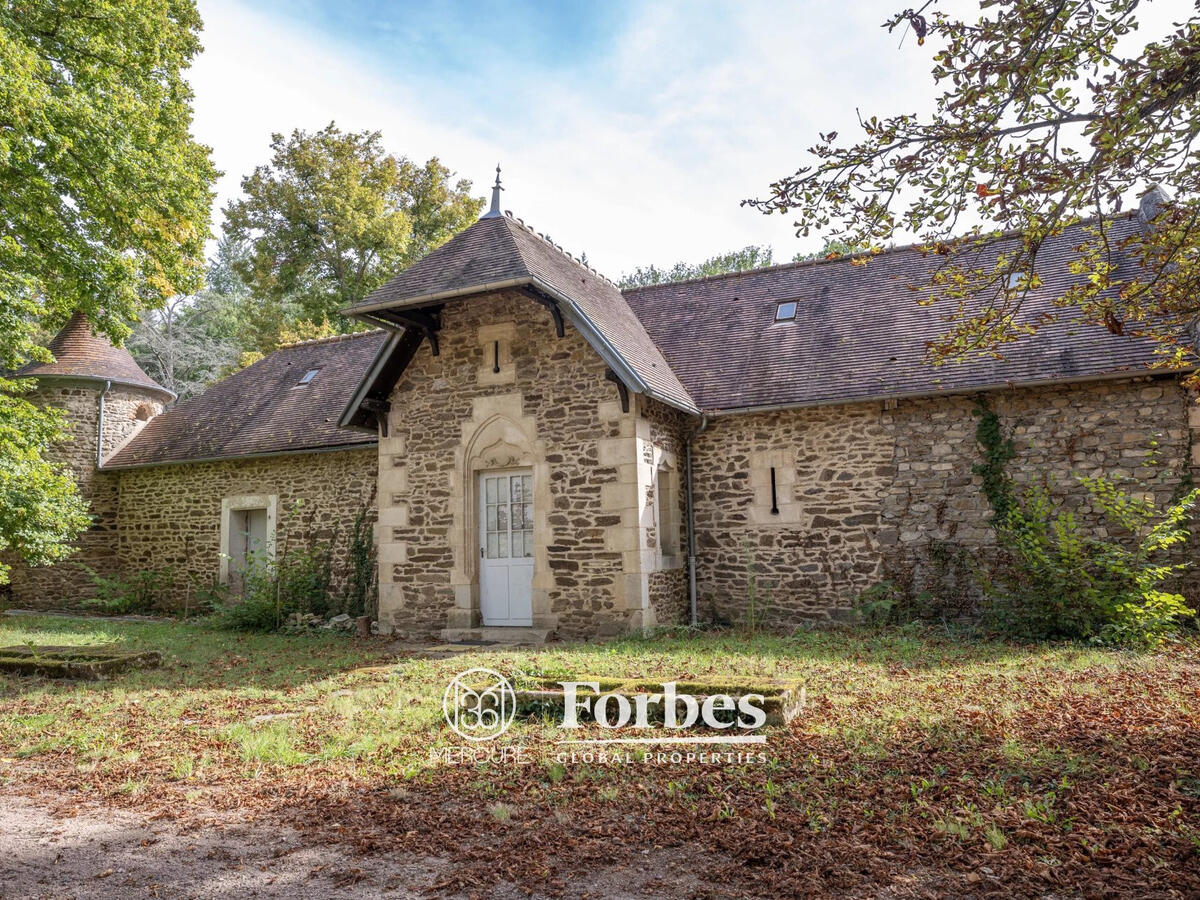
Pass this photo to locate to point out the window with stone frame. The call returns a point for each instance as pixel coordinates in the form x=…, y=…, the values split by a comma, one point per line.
x=666, y=514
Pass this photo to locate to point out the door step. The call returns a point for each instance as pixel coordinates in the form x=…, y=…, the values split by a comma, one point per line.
x=521, y=637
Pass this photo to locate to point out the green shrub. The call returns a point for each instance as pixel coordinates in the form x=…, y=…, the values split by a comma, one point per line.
x=142, y=592
x=272, y=590
x=1060, y=579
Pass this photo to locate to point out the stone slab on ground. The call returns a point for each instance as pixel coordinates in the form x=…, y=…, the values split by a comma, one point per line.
x=81, y=614
x=81, y=661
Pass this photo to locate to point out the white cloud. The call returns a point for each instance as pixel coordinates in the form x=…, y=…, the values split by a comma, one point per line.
x=641, y=155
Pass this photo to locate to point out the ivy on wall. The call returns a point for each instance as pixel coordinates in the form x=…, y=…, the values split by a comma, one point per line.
x=997, y=452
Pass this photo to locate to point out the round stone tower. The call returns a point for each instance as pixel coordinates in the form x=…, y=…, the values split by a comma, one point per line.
x=107, y=398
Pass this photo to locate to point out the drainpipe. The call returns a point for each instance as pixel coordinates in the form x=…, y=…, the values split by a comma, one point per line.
x=691, y=520
x=100, y=427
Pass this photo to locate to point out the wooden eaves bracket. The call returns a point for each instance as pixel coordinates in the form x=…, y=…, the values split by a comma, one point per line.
x=428, y=322
x=379, y=409
x=622, y=390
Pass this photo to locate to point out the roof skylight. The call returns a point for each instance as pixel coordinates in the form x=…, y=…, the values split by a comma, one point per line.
x=308, y=376
x=785, y=311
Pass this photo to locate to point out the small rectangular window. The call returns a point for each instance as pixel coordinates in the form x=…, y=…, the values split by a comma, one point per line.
x=667, y=513
x=308, y=376
x=785, y=311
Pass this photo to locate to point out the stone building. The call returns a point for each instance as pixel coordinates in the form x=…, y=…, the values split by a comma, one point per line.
x=546, y=454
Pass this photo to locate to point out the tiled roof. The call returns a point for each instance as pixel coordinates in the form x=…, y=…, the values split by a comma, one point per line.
x=498, y=252
x=860, y=334
x=78, y=353
x=262, y=409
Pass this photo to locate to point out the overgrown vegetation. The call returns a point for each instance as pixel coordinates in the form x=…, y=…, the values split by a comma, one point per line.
x=1061, y=578
x=362, y=591
x=300, y=579
x=143, y=592
x=297, y=582
x=1090, y=571
x=983, y=766
x=1091, y=560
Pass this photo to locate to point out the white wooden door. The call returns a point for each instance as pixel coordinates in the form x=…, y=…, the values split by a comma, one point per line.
x=506, y=547
x=247, y=541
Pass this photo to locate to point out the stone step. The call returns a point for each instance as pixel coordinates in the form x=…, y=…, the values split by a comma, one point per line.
x=496, y=635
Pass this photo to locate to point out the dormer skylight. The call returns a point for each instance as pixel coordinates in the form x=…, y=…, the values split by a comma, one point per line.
x=308, y=377
x=785, y=311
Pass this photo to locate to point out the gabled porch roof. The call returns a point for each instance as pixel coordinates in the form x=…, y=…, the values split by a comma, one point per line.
x=500, y=253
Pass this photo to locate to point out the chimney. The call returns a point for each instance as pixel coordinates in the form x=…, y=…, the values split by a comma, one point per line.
x=1151, y=204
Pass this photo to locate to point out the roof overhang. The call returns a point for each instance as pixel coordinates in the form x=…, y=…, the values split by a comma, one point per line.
x=157, y=389
x=964, y=391
x=612, y=357
x=266, y=454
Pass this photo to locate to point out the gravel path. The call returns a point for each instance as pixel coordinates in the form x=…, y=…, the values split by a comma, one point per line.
x=51, y=850
x=114, y=853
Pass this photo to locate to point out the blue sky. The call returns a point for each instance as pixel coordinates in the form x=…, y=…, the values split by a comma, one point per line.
x=627, y=130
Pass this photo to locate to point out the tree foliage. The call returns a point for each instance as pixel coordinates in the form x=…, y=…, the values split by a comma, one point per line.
x=747, y=259
x=743, y=260
x=1049, y=113
x=104, y=207
x=197, y=339
x=333, y=215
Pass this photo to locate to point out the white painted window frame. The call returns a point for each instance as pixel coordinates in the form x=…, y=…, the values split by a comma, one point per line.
x=237, y=503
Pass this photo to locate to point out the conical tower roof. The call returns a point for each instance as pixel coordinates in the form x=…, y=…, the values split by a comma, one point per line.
x=80, y=354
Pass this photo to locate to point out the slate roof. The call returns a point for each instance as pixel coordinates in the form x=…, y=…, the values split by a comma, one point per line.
x=261, y=410
x=499, y=252
x=859, y=333
x=711, y=344
x=78, y=353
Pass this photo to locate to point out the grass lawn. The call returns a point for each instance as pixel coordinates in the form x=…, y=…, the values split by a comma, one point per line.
x=921, y=764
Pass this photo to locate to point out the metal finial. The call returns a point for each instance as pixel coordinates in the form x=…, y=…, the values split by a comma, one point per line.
x=494, y=212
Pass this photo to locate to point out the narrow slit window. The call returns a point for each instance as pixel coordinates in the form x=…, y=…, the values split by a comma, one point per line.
x=774, y=494
x=308, y=376
x=785, y=311
x=495, y=357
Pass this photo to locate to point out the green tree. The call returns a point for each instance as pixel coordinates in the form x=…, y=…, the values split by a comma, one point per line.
x=1048, y=113
x=332, y=216
x=831, y=249
x=197, y=339
x=104, y=207
x=749, y=257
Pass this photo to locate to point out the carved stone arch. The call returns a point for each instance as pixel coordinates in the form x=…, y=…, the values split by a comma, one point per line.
x=498, y=442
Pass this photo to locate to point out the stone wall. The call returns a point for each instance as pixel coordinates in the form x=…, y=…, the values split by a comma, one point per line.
x=882, y=491
x=549, y=409
x=67, y=584
x=935, y=512
x=170, y=515
x=813, y=550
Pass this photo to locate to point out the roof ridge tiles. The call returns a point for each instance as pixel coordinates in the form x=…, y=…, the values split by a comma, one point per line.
x=567, y=253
